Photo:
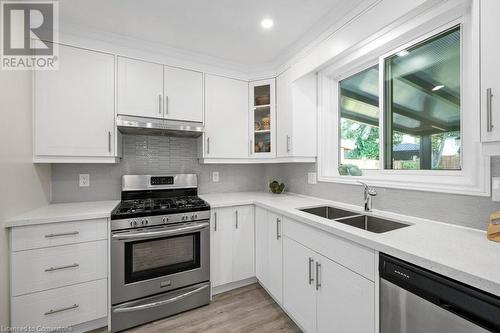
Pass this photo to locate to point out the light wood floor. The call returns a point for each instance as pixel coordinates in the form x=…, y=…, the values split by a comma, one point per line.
x=246, y=309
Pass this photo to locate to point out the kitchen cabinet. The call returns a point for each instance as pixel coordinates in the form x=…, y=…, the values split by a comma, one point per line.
x=74, y=109
x=232, y=244
x=152, y=90
x=490, y=67
x=322, y=295
x=226, y=118
x=345, y=301
x=59, y=274
x=269, y=264
x=140, y=88
x=262, y=120
x=183, y=94
x=299, y=297
x=296, y=116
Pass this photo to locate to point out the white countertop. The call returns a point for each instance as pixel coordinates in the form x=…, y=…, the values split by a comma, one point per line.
x=64, y=212
x=463, y=254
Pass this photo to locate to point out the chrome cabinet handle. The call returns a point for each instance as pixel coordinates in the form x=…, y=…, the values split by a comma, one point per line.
x=166, y=104
x=51, y=311
x=215, y=221
x=489, y=116
x=311, y=263
x=236, y=220
x=159, y=103
x=73, y=233
x=51, y=269
x=160, y=303
x=318, y=270
x=109, y=141
x=288, y=143
x=278, y=235
x=208, y=146
x=251, y=147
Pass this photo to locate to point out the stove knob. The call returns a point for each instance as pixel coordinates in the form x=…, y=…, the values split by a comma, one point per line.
x=133, y=223
x=146, y=221
x=164, y=219
x=192, y=217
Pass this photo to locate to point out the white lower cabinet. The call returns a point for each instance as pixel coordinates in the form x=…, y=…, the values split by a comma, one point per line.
x=345, y=301
x=323, y=296
x=298, y=284
x=232, y=244
x=61, y=307
x=59, y=273
x=269, y=254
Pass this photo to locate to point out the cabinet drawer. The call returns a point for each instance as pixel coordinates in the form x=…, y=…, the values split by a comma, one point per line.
x=349, y=254
x=65, y=306
x=53, y=267
x=54, y=234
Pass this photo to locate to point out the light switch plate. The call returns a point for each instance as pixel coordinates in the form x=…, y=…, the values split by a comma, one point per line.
x=84, y=180
x=311, y=178
x=215, y=176
x=495, y=189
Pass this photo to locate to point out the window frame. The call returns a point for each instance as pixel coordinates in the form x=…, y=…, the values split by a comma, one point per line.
x=474, y=176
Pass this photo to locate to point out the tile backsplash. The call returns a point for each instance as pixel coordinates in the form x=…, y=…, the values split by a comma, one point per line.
x=151, y=155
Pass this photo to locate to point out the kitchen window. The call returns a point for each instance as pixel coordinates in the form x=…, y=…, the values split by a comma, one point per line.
x=399, y=115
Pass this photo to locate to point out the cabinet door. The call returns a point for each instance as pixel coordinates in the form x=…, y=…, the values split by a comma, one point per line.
x=183, y=93
x=261, y=246
x=221, y=243
x=299, y=296
x=262, y=119
x=140, y=88
x=74, y=106
x=275, y=259
x=226, y=118
x=490, y=67
x=243, y=243
x=345, y=300
x=284, y=115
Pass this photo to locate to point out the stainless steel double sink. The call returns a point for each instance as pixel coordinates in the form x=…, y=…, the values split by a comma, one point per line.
x=357, y=220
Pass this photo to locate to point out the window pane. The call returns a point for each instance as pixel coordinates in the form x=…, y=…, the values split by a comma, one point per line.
x=422, y=105
x=359, y=119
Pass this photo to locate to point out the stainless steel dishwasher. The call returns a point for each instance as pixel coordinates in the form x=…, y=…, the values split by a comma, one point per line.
x=415, y=300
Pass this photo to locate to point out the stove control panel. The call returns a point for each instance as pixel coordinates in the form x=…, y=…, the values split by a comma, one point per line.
x=141, y=222
x=163, y=180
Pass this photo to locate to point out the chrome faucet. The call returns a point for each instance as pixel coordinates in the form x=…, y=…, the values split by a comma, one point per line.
x=369, y=192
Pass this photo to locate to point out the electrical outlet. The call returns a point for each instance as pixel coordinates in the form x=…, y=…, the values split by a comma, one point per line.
x=215, y=176
x=495, y=189
x=311, y=178
x=84, y=180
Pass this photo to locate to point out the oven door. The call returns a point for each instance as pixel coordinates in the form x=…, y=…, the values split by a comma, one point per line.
x=153, y=260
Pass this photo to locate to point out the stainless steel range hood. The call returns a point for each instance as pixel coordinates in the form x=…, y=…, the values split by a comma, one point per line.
x=152, y=126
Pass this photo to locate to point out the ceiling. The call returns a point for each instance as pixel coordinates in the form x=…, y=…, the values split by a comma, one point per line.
x=225, y=29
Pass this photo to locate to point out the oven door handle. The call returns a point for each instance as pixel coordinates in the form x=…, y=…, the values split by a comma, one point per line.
x=155, y=234
x=160, y=303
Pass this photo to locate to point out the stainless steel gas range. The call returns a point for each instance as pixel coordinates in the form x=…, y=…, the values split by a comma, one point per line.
x=160, y=249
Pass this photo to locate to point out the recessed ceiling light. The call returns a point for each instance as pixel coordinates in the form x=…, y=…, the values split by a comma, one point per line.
x=267, y=23
x=436, y=88
x=402, y=53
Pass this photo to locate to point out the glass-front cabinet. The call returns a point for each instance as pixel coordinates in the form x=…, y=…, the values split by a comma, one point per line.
x=262, y=119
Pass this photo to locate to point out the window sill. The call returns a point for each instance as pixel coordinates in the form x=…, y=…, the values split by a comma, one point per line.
x=453, y=182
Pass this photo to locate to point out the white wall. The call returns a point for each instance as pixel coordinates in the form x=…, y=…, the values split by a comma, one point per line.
x=23, y=186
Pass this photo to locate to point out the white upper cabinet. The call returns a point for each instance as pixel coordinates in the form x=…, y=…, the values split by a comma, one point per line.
x=490, y=67
x=262, y=120
x=74, y=108
x=226, y=118
x=140, y=88
x=296, y=116
x=183, y=94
